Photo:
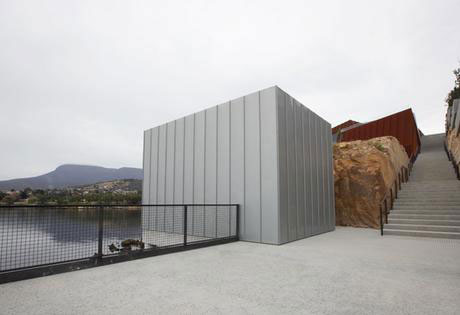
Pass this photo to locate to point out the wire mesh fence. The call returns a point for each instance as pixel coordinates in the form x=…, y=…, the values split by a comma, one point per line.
x=34, y=236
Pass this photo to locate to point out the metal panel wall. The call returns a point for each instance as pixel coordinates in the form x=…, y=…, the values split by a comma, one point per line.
x=264, y=151
x=454, y=115
x=225, y=154
x=305, y=171
x=456, y=122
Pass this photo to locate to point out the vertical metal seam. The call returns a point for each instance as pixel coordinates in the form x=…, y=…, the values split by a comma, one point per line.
x=277, y=165
x=322, y=175
x=302, y=122
x=174, y=174
x=310, y=143
x=150, y=163
x=260, y=173
x=183, y=164
x=193, y=173
x=166, y=171
x=230, y=164
x=217, y=160
x=294, y=106
x=244, y=164
x=204, y=169
x=183, y=176
x=287, y=166
x=328, y=170
x=317, y=175
x=157, y=175
x=307, y=177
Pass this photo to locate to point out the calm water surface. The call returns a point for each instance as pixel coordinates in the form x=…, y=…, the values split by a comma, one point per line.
x=34, y=236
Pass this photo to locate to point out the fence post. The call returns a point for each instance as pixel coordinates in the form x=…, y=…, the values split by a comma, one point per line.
x=100, y=234
x=185, y=225
x=238, y=221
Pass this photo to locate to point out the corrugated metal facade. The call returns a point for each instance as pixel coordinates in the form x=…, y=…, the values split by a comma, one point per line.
x=454, y=116
x=401, y=125
x=264, y=151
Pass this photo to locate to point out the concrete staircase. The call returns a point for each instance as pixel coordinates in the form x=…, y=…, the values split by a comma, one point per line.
x=429, y=204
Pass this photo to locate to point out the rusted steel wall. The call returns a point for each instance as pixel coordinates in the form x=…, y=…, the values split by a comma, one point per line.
x=401, y=125
x=346, y=124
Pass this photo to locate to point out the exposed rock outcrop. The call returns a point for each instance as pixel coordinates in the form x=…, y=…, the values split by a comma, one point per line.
x=363, y=173
x=453, y=145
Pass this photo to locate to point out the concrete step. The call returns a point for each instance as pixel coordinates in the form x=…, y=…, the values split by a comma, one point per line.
x=442, y=193
x=429, y=192
x=450, y=235
x=424, y=216
x=447, y=201
x=398, y=206
x=452, y=182
x=428, y=199
x=411, y=227
x=424, y=222
x=429, y=206
x=415, y=211
x=431, y=186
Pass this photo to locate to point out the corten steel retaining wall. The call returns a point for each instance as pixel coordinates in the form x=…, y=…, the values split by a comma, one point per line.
x=401, y=125
x=264, y=151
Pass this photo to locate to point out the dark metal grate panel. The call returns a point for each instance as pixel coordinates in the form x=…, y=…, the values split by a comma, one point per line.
x=37, y=236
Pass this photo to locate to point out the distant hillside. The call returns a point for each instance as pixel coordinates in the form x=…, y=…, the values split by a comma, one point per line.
x=72, y=175
x=118, y=185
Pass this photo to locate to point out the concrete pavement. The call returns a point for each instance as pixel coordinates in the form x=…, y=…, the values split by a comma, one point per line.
x=349, y=271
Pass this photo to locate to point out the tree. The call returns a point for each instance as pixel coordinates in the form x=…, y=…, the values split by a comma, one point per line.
x=23, y=194
x=455, y=92
x=11, y=199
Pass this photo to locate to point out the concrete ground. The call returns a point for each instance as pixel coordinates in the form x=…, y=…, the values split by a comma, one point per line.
x=349, y=271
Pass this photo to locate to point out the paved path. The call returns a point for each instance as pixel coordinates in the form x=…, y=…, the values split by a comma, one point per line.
x=348, y=271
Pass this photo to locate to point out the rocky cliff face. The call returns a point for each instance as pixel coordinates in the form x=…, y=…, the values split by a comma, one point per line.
x=453, y=144
x=363, y=172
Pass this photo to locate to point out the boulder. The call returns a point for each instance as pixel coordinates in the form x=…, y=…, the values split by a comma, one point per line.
x=364, y=170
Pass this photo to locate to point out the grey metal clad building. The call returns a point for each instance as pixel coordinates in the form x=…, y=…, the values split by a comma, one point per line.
x=264, y=151
x=455, y=116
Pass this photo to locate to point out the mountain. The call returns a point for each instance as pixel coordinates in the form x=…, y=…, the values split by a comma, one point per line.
x=72, y=175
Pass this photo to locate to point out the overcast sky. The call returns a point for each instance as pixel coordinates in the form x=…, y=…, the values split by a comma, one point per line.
x=81, y=80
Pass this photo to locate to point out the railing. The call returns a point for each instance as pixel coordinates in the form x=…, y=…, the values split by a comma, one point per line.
x=39, y=240
x=386, y=206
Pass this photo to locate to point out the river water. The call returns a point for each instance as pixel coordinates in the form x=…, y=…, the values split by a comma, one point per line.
x=35, y=236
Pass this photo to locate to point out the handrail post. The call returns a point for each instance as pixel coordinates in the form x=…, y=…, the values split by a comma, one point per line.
x=381, y=220
x=391, y=197
x=396, y=189
x=386, y=212
x=100, y=233
x=185, y=225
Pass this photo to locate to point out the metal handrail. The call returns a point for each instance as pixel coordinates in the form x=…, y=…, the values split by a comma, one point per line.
x=402, y=177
